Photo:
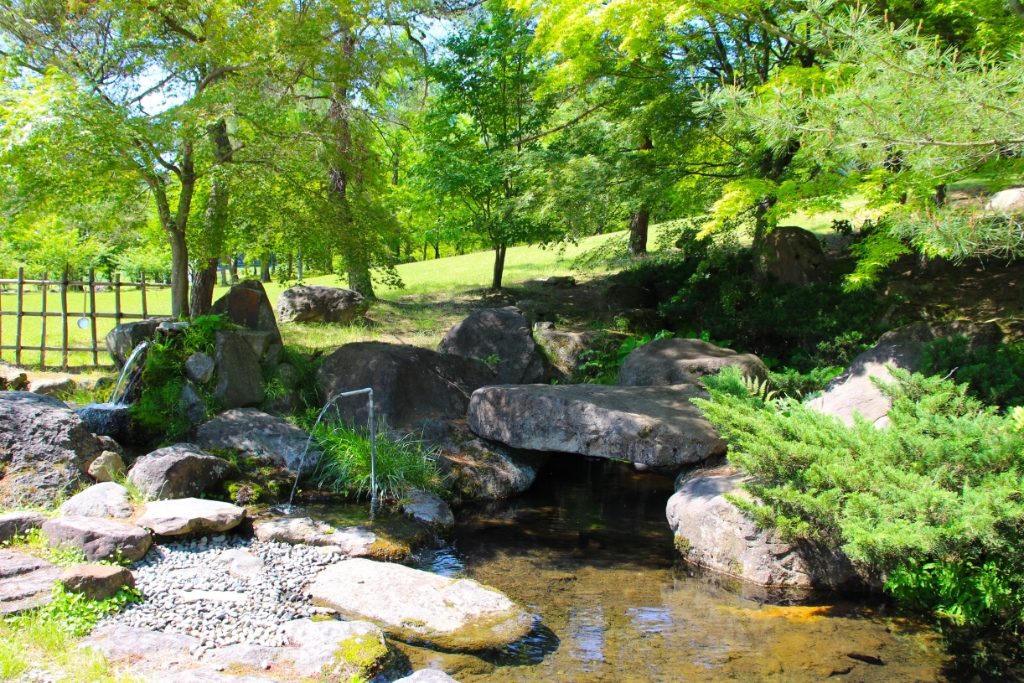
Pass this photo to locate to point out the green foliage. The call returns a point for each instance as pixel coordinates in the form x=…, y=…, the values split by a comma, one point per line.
x=932, y=501
x=36, y=543
x=994, y=373
x=159, y=414
x=795, y=384
x=402, y=464
x=601, y=363
x=79, y=615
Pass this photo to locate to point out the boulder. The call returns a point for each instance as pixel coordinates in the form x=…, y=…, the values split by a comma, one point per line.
x=501, y=338
x=855, y=390
x=343, y=650
x=247, y=305
x=429, y=509
x=239, y=374
x=562, y=281
x=306, y=304
x=16, y=523
x=1009, y=201
x=713, y=533
x=792, y=255
x=199, y=367
x=190, y=516
x=564, y=349
x=112, y=420
x=26, y=582
x=410, y=385
x=419, y=607
x=177, y=471
x=481, y=470
x=97, y=581
x=108, y=466
x=97, y=538
x=652, y=426
x=123, y=339
x=259, y=435
x=53, y=386
x=194, y=407
x=353, y=541
x=45, y=449
x=683, y=361
x=100, y=500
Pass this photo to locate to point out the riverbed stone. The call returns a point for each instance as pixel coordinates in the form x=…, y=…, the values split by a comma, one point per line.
x=107, y=499
x=239, y=373
x=108, y=466
x=352, y=541
x=420, y=607
x=26, y=582
x=96, y=581
x=177, y=471
x=410, y=385
x=429, y=509
x=684, y=361
x=199, y=367
x=98, y=538
x=711, y=532
x=45, y=449
x=190, y=516
x=19, y=522
x=259, y=435
x=427, y=676
x=241, y=563
x=317, y=303
x=652, y=426
x=501, y=337
x=856, y=392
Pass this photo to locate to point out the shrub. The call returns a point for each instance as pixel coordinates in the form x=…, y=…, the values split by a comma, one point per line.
x=402, y=464
x=933, y=502
x=995, y=374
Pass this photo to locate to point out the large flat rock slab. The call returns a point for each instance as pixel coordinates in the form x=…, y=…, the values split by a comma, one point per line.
x=190, y=516
x=354, y=541
x=653, y=426
x=19, y=522
x=26, y=582
x=683, y=361
x=98, y=538
x=420, y=607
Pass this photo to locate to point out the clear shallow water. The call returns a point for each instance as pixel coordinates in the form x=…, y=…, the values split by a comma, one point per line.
x=589, y=551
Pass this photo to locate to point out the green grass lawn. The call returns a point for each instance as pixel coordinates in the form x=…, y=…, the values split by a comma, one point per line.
x=433, y=299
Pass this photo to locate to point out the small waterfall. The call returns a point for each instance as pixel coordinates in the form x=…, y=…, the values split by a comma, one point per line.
x=125, y=379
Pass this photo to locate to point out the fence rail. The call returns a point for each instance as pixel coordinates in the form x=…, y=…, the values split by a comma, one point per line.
x=84, y=319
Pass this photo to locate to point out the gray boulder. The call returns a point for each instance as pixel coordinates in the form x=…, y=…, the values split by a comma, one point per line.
x=683, y=361
x=99, y=500
x=792, y=256
x=713, y=533
x=183, y=516
x=199, y=367
x=259, y=435
x=54, y=386
x=501, y=337
x=16, y=523
x=26, y=582
x=247, y=305
x=855, y=390
x=419, y=607
x=45, y=449
x=306, y=303
x=97, y=538
x=353, y=541
x=108, y=466
x=97, y=581
x=327, y=647
x=177, y=471
x=652, y=426
x=429, y=509
x=481, y=470
x=194, y=407
x=239, y=373
x=125, y=337
x=564, y=349
x=411, y=385
x=1009, y=201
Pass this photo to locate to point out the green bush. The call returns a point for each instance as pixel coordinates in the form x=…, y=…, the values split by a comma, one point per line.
x=995, y=374
x=934, y=502
x=344, y=468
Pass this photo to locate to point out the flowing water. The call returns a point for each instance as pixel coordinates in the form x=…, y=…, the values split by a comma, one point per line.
x=589, y=551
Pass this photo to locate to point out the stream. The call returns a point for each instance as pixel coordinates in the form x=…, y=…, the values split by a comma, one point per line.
x=589, y=551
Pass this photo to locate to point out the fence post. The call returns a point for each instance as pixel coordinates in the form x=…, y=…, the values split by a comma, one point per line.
x=42, y=340
x=21, y=313
x=64, y=318
x=117, y=299
x=92, y=316
x=142, y=286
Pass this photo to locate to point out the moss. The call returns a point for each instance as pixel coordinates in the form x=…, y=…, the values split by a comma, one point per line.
x=363, y=655
x=683, y=545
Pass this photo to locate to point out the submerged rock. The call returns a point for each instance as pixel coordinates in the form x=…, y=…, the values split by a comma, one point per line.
x=683, y=361
x=420, y=607
x=45, y=449
x=177, y=471
x=428, y=676
x=652, y=426
x=713, y=533
x=98, y=538
x=500, y=337
x=429, y=509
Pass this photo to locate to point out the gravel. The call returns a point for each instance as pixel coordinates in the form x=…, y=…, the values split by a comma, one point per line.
x=188, y=589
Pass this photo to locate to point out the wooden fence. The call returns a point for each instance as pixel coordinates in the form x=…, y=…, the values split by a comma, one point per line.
x=88, y=318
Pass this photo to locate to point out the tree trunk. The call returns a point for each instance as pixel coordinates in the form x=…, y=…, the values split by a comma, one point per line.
x=437, y=250
x=203, y=282
x=179, y=274
x=499, y=266
x=291, y=265
x=638, y=229
x=224, y=277
x=234, y=269
x=265, y=266
x=299, y=265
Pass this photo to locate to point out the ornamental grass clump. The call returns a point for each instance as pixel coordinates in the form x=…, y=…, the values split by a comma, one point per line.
x=402, y=463
x=934, y=503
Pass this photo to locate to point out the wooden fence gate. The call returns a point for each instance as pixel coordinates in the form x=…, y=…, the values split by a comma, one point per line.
x=45, y=299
